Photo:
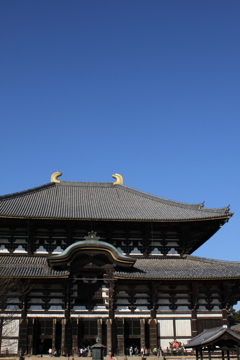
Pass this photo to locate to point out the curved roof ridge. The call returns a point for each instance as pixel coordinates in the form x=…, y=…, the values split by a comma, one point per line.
x=28, y=191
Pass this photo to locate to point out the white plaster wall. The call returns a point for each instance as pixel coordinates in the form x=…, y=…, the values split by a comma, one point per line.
x=164, y=343
x=183, y=327
x=9, y=344
x=165, y=327
x=10, y=327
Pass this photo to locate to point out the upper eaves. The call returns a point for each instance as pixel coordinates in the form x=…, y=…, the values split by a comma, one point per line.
x=100, y=201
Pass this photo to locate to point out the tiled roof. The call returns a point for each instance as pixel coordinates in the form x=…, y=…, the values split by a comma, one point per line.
x=28, y=267
x=211, y=336
x=236, y=328
x=100, y=201
x=187, y=268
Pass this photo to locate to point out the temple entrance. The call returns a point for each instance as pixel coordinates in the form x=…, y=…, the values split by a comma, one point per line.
x=132, y=344
x=43, y=346
x=132, y=332
x=43, y=333
x=88, y=332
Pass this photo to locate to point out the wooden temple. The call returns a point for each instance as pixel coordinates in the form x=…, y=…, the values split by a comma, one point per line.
x=106, y=261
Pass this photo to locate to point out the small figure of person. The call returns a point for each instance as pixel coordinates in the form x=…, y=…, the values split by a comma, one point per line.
x=131, y=351
x=175, y=344
x=136, y=351
x=50, y=351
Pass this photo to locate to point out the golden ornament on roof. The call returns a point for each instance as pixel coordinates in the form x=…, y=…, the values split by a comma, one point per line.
x=54, y=177
x=119, y=179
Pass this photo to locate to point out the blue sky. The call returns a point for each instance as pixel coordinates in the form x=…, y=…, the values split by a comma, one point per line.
x=147, y=89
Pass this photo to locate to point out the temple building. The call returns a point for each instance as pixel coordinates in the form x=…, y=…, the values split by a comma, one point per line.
x=102, y=260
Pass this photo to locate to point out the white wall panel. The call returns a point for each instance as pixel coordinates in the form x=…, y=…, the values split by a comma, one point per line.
x=10, y=328
x=165, y=327
x=10, y=346
x=164, y=343
x=183, y=327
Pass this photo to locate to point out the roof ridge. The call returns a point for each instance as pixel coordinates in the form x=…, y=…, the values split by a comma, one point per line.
x=28, y=191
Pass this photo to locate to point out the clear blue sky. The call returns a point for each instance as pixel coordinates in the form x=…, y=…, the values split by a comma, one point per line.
x=147, y=89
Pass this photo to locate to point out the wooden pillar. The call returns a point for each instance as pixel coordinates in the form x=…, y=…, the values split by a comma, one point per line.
x=30, y=336
x=109, y=334
x=23, y=337
x=66, y=341
x=54, y=336
x=142, y=332
x=99, y=325
x=223, y=354
x=194, y=323
x=209, y=353
x=74, y=337
x=224, y=317
x=153, y=334
x=237, y=352
x=63, y=348
x=120, y=337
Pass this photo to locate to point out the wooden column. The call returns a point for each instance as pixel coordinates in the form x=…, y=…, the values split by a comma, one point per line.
x=63, y=347
x=222, y=354
x=209, y=353
x=194, y=323
x=30, y=336
x=109, y=334
x=66, y=341
x=74, y=337
x=224, y=317
x=54, y=336
x=99, y=325
x=120, y=337
x=23, y=337
x=142, y=332
x=153, y=334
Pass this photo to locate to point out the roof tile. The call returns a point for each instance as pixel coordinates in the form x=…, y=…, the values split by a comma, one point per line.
x=100, y=201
